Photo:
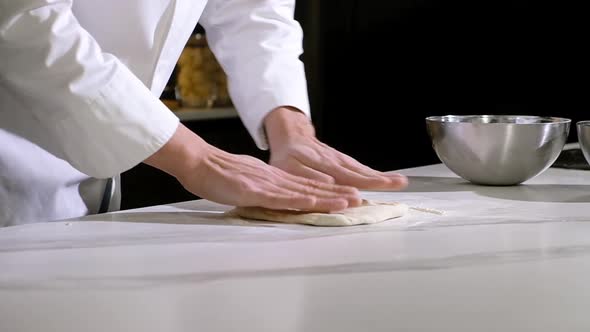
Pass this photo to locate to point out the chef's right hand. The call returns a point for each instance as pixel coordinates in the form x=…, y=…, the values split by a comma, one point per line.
x=240, y=180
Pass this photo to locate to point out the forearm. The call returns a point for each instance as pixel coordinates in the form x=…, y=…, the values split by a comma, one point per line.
x=181, y=154
x=286, y=123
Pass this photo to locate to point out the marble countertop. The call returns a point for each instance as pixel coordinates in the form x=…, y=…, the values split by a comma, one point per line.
x=498, y=259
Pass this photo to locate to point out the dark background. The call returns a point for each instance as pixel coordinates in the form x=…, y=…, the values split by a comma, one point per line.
x=376, y=69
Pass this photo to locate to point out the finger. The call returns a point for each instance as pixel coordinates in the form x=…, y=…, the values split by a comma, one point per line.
x=331, y=165
x=271, y=180
x=297, y=201
x=317, y=184
x=347, y=171
x=399, y=179
x=394, y=174
x=352, y=197
x=299, y=169
x=266, y=192
x=381, y=180
x=356, y=166
x=348, y=177
x=292, y=168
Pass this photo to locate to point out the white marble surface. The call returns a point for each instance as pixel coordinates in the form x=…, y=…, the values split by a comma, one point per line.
x=498, y=259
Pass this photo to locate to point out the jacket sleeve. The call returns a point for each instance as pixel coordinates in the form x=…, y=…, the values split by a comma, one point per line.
x=97, y=114
x=258, y=44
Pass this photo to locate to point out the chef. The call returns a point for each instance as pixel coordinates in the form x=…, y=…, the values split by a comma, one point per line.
x=79, y=87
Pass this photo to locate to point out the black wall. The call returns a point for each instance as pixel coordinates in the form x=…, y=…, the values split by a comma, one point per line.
x=386, y=65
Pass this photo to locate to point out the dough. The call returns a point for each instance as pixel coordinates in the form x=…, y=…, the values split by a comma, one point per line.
x=370, y=212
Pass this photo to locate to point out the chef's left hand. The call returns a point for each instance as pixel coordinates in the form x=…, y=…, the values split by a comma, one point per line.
x=294, y=148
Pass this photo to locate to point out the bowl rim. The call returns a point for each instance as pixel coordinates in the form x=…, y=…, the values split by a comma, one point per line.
x=548, y=119
x=583, y=123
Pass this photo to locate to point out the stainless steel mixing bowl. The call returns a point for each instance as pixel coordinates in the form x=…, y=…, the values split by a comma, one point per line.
x=583, y=128
x=497, y=150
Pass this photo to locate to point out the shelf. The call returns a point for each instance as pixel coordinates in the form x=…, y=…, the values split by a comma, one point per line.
x=198, y=114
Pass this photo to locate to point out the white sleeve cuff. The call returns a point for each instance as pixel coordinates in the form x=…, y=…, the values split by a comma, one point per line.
x=123, y=126
x=282, y=92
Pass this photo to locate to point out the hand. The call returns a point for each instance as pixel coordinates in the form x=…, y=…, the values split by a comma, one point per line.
x=240, y=180
x=295, y=149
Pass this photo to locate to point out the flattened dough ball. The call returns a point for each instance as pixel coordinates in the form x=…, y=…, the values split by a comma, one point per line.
x=369, y=212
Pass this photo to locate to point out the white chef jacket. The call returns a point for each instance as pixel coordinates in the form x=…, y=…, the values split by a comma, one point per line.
x=80, y=83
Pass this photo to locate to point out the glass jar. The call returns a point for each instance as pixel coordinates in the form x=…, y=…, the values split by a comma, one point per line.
x=201, y=82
